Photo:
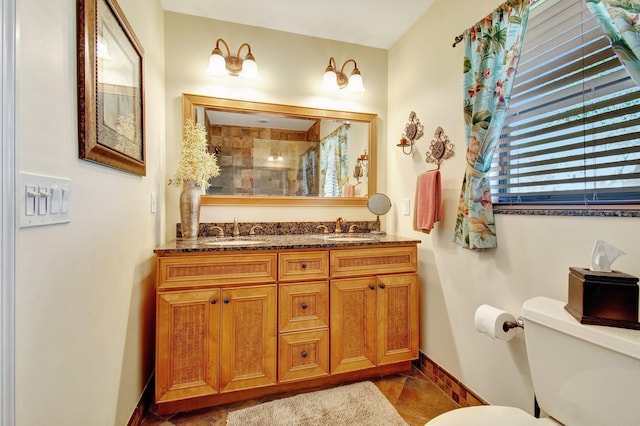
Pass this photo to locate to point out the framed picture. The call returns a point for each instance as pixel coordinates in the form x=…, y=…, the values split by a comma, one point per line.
x=110, y=88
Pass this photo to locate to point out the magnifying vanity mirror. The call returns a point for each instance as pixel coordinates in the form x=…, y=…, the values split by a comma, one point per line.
x=379, y=204
x=272, y=154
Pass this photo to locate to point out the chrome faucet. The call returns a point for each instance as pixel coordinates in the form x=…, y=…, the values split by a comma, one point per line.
x=221, y=234
x=339, y=222
x=236, y=230
x=253, y=229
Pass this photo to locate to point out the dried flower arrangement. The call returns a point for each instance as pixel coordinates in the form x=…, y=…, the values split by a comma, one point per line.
x=196, y=163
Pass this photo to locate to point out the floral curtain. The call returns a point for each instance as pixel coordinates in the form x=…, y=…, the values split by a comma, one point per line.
x=492, y=50
x=334, y=161
x=620, y=21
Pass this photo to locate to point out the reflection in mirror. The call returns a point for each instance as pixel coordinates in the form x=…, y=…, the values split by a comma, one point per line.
x=278, y=154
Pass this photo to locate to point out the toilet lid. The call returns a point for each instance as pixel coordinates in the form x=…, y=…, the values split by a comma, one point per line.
x=488, y=415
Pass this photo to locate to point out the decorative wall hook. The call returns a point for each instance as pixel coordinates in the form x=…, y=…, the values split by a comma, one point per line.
x=361, y=168
x=440, y=149
x=413, y=131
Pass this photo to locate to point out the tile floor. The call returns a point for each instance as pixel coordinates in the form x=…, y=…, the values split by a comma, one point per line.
x=415, y=397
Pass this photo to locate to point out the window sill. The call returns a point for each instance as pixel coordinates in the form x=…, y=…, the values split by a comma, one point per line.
x=609, y=211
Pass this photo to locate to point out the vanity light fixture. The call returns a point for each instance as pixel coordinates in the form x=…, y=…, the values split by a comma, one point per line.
x=220, y=64
x=334, y=80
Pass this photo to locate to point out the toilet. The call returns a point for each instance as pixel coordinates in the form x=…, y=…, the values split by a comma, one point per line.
x=582, y=374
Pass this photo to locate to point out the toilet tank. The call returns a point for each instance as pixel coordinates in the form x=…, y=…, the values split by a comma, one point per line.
x=582, y=374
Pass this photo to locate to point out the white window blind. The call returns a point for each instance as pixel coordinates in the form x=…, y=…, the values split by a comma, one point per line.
x=572, y=132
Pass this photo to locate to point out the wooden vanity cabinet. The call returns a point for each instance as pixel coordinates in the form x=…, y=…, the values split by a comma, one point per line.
x=238, y=325
x=303, y=317
x=374, y=317
x=213, y=335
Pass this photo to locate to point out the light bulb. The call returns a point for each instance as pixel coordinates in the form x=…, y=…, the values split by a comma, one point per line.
x=355, y=83
x=249, y=70
x=330, y=81
x=217, y=65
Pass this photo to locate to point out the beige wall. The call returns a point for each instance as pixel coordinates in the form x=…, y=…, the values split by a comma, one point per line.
x=534, y=253
x=84, y=290
x=291, y=68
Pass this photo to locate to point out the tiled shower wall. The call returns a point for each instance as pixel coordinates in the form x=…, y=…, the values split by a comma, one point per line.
x=235, y=148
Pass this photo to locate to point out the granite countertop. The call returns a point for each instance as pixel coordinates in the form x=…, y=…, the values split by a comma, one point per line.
x=280, y=242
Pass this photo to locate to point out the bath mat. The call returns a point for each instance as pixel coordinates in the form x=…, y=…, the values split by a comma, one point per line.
x=356, y=404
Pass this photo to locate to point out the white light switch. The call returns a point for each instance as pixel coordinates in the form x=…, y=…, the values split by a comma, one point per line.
x=56, y=200
x=406, y=207
x=66, y=196
x=44, y=197
x=31, y=200
x=45, y=200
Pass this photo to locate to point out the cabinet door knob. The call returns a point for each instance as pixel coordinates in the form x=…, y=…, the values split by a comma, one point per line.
x=303, y=266
x=304, y=354
x=304, y=306
x=372, y=287
x=382, y=285
x=214, y=301
x=226, y=300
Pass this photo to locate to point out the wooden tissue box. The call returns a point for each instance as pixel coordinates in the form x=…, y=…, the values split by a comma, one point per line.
x=603, y=298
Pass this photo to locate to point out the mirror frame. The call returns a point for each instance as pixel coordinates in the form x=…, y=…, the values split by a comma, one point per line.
x=190, y=102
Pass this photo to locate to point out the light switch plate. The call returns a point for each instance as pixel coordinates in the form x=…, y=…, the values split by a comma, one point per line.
x=44, y=200
x=154, y=202
x=406, y=207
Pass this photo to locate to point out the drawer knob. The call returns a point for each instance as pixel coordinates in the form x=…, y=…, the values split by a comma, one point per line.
x=304, y=354
x=303, y=266
x=372, y=287
x=382, y=286
x=226, y=300
x=214, y=301
x=304, y=306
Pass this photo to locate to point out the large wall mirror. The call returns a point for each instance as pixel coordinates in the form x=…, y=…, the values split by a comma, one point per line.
x=272, y=154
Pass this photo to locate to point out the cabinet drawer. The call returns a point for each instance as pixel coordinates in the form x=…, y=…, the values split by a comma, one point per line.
x=296, y=266
x=196, y=271
x=303, y=306
x=373, y=261
x=303, y=355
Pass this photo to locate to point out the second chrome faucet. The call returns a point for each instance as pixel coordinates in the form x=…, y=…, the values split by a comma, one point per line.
x=236, y=229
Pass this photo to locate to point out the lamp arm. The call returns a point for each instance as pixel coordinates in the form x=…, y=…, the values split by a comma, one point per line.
x=243, y=45
x=225, y=45
x=355, y=65
x=332, y=65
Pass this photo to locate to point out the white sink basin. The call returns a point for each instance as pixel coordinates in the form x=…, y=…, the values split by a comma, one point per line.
x=233, y=242
x=347, y=237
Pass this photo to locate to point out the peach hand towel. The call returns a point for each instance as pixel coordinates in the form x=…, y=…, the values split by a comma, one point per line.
x=348, y=190
x=428, y=202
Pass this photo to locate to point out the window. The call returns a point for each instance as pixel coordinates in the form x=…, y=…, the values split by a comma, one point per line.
x=572, y=132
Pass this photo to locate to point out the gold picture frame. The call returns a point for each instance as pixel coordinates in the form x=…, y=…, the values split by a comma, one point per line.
x=111, y=127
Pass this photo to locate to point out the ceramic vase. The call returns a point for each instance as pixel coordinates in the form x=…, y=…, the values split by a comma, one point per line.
x=190, y=209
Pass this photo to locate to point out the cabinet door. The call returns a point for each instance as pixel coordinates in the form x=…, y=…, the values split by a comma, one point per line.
x=248, y=337
x=187, y=344
x=353, y=324
x=398, y=320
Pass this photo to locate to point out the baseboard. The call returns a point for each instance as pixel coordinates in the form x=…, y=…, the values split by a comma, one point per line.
x=143, y=403
x=451, y=386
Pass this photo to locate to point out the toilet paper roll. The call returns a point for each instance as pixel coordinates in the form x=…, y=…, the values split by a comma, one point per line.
x=489, y=320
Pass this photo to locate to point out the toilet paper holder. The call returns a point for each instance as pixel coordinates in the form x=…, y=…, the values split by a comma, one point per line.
x=508, y=325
